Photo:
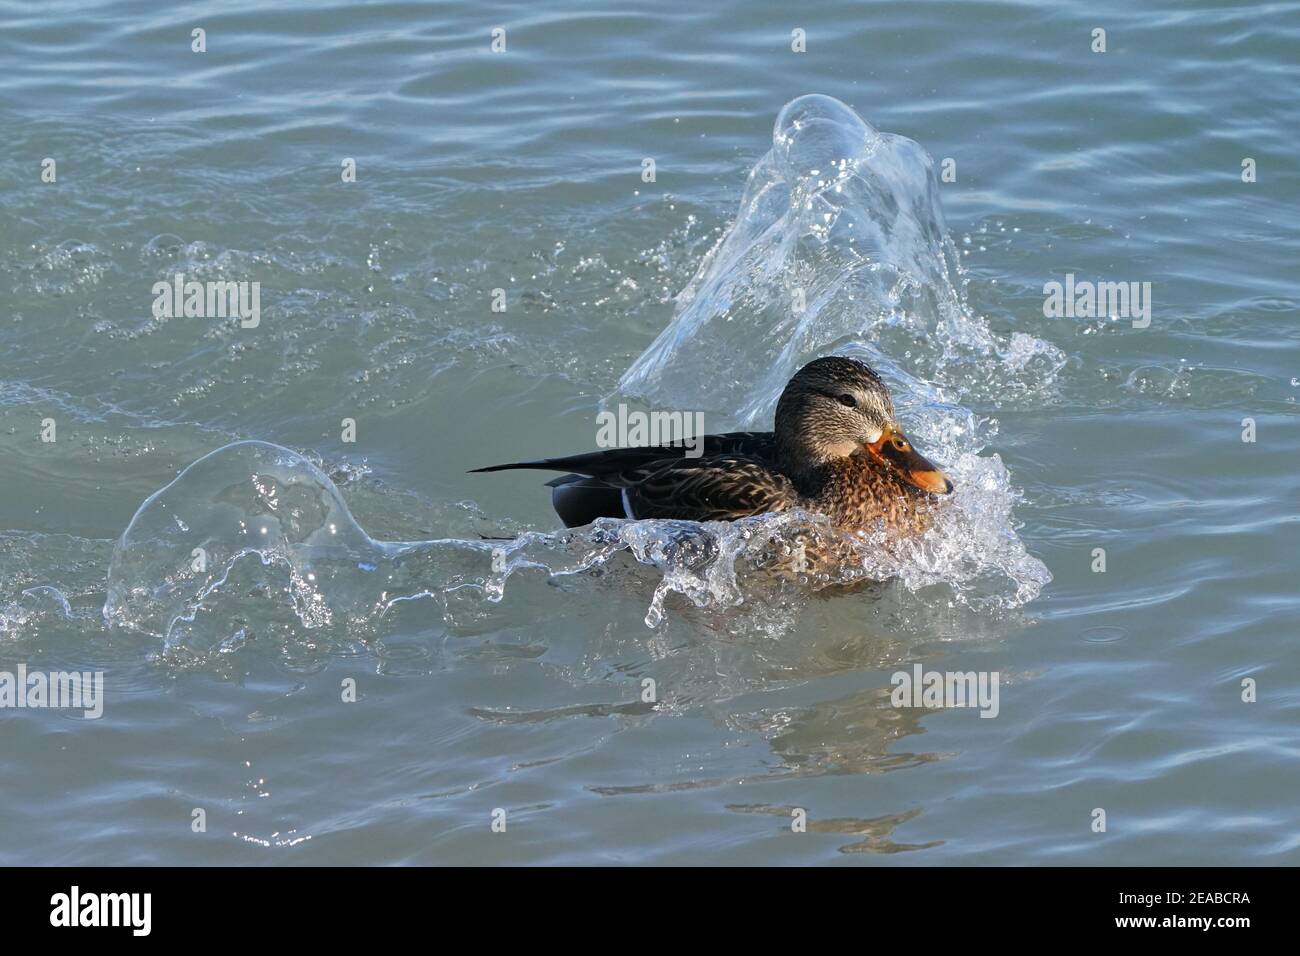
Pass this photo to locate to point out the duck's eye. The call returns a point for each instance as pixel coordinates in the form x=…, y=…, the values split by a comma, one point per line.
x=899, y=444
x=849, y=400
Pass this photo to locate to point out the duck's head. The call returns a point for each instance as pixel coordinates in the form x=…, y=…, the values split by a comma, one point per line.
x=835, y=407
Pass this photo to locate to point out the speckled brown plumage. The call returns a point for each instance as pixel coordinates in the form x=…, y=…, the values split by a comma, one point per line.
x=860, y=495
x=836, y=450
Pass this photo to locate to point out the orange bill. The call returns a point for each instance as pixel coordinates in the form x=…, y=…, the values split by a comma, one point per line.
x=894, y=450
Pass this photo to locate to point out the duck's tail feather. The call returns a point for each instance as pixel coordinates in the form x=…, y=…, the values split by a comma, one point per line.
x=590, y=463
x=543, y=464
x=614, y=460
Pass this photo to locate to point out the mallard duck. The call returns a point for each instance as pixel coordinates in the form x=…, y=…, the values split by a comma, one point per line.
x=836, y=450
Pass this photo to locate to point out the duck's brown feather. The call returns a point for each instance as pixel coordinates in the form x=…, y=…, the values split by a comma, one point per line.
x=720, y=488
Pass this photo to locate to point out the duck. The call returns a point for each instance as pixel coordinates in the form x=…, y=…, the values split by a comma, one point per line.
x=836, y=449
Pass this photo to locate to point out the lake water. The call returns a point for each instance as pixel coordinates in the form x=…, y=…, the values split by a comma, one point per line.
x=377, y=656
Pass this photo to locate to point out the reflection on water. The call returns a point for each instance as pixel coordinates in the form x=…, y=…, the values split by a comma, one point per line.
x=873, y=835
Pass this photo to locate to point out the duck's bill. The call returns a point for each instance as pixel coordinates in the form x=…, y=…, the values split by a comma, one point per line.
x=897, y=452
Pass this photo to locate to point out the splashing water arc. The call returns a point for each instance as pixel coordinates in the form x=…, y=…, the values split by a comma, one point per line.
x=839, y=245
x=249, y=498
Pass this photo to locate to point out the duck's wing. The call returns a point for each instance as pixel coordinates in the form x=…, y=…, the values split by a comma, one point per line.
x=717, y=488
x=756, y=445
x=722, y=488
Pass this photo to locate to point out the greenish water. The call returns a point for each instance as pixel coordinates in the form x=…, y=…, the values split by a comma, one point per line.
x=513, y=678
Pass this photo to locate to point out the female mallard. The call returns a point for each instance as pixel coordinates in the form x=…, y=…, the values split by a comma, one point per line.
x=836, y=451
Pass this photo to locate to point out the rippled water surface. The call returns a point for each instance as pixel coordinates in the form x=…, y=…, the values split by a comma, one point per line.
x=502, y=664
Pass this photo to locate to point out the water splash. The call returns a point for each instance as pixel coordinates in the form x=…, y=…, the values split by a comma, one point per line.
x=246, y=499
x=259, y=502
x=837, y=217
x=253, y=501
x=839, y=246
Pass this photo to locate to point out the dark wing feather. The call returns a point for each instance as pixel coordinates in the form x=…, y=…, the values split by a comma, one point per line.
x=613, y=461
x=720, y=488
